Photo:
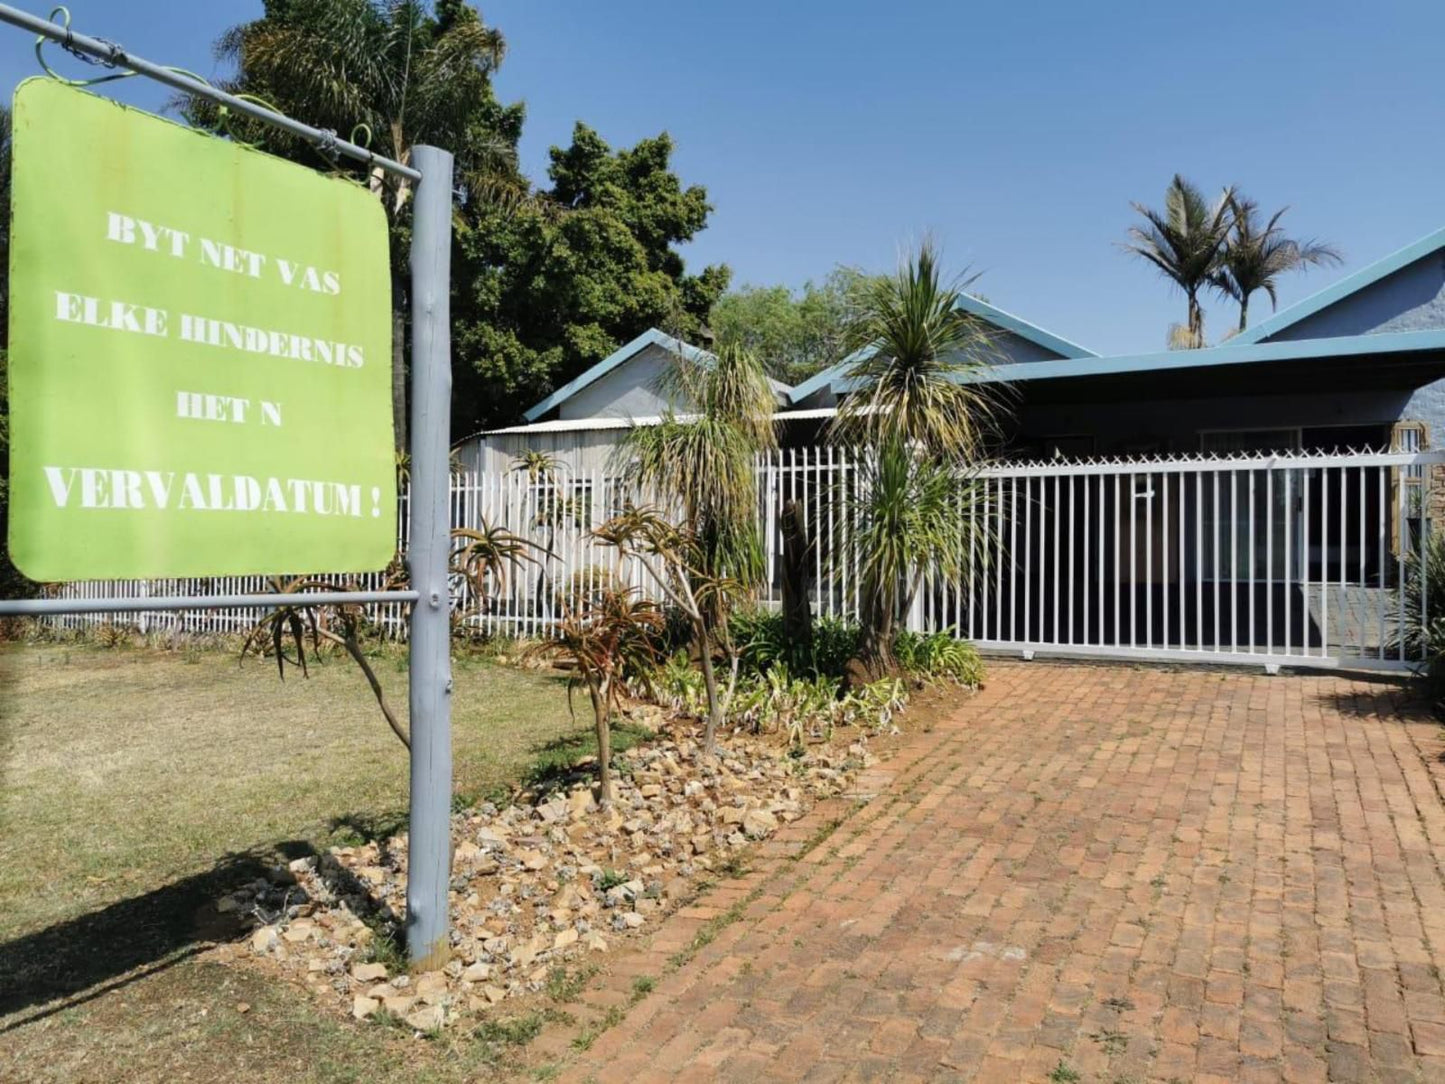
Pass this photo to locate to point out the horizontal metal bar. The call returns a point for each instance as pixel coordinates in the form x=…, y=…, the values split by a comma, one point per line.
x=1124, y=653
x=1205, y=464
x=111, y=53
x=43, y=607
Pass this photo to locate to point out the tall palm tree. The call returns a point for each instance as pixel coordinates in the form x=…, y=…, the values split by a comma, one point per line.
x=1256, y=256
x=407, y=75
x=924, y=421
x=1185, y=242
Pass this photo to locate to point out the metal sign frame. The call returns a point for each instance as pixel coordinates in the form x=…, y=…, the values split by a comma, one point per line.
x=429, y=861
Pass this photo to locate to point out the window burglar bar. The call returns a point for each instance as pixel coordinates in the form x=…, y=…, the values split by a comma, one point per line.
x=429, y=868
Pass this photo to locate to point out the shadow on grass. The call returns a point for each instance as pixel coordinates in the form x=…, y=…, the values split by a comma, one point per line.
x=88, y=954
x=86, y=957
x=554, y=767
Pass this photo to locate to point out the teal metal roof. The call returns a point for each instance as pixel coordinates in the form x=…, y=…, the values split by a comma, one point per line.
x=1395, y=342
x=1006, y=321
x=1023, y=329
x=650, y=337
x=1366, y=276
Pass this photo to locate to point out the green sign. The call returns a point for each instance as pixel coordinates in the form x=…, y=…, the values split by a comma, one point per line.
x=200, y=353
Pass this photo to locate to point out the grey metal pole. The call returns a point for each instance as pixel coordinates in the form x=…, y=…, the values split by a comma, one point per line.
x=113, y=54
x=429, y=848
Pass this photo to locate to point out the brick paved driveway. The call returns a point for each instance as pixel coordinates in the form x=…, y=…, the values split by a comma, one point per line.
x=1115, y=873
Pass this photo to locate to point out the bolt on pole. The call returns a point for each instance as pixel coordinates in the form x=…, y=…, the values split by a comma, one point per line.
x=429, y=846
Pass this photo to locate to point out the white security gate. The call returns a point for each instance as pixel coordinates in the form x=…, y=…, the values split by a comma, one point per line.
x=1264, y=559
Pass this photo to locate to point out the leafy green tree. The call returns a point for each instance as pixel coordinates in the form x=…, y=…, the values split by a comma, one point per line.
x=547, y=288
x=922, y=422
x=1185, y=242
x=1256, y=254
x=409, y=75
x=796, y=334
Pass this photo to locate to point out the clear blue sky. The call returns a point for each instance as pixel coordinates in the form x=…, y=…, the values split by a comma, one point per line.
x=1015, y=132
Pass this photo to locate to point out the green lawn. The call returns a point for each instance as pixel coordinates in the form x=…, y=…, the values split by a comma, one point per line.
x=135, y=785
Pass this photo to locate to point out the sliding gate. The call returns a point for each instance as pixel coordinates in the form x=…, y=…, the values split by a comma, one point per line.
x=1288, y=559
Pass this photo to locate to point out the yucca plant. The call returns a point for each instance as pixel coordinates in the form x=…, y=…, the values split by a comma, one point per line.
x=604, y=642
x=919, y=357
x=925, y=419
x=914, y=515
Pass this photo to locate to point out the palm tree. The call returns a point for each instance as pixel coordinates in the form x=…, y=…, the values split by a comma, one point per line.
x=702, y=465
x=406, y=75
x=1185, y=242
x=1255, y=257
x=917, y=353
x=925, y=420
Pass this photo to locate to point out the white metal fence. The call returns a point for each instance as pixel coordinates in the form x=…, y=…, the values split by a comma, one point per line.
x=1270, y=559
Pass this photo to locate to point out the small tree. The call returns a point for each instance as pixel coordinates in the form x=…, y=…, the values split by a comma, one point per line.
x=605, y=641
x=482, y=556
x=702, y=468
x=672, y=559
x=923, y=420
x=287, y=627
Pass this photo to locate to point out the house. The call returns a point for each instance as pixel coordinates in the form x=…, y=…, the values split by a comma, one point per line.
x=1359, y=364
x=1169, y=504
x=582, y=422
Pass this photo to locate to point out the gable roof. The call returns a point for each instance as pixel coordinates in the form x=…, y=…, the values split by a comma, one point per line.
x=992, y=314
x=1350, y=284
x=618, y=357
x=625, y=353
x=1234, y=353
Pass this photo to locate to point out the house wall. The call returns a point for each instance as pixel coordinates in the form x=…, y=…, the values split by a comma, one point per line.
x=628, y=391
x=576, y=450
x=1411, y=299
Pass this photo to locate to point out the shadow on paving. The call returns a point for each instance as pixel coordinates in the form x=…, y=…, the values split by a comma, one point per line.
x=94, y=953
x=1391, y=697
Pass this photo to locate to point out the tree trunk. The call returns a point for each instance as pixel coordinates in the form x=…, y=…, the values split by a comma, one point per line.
x=604, y=748
x=398, y=357
x=714, y=703
x=1243, y=312
x=1196, y=323
x=875, y=644
x=797, y=579
x=353, y=648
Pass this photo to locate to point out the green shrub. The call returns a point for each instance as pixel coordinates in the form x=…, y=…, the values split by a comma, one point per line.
x=1424, y=639
x=938, y=656
x=762, y=642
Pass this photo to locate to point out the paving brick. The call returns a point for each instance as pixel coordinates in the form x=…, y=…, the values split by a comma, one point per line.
x=1141, y=873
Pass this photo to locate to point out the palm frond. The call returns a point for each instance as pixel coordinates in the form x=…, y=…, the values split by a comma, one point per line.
x=919, y=359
